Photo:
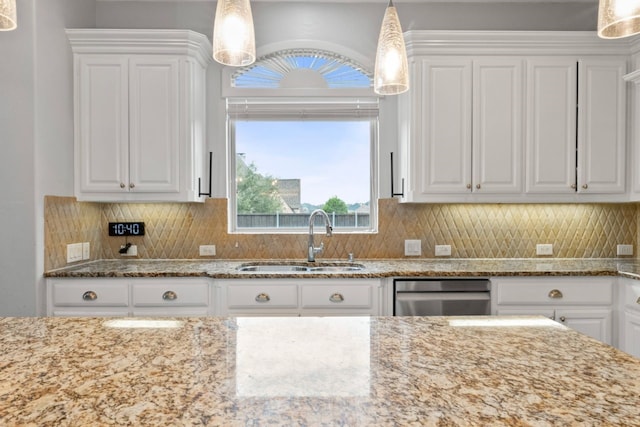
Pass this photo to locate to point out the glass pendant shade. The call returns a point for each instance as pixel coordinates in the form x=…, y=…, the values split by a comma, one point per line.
x=618, y=18
x=391, y=75
x=234, y=41
x=8, y=18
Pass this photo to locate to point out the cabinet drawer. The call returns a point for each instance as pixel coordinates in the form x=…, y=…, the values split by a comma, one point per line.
x=336, y=296
x=170, y=294
x=91, y=293
x=262, y=296
x=548, y=291
x=632, y=296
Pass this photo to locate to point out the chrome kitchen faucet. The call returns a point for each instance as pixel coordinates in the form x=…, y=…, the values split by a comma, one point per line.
x=312, y=251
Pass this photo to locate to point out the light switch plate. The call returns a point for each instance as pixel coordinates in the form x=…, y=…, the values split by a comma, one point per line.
x=443, y=250
x=74, y=252
x=544, y=249
x=412, y=248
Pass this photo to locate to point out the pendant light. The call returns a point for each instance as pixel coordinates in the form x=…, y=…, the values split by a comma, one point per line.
x=391, y=75
x=234, y=41
x=618, y=18
x=8, y=18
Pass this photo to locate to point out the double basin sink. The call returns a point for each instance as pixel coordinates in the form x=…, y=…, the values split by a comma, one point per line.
x=300, y=267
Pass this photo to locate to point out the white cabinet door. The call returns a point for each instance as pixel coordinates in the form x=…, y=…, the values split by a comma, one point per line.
x=102, y=123
x=601, y=125
x=442, y=151
x=551, y=130
x=592, y=322
x=154, y=139
x=497, y=136
x=630, y=341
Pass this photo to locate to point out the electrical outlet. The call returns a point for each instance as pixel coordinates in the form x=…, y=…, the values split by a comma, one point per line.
x=412, y=248
x=133, y=250
x=207, y=250
x=443, y=250
x=74, y=252
x=544, y=249
x=86, y=251
x=624, y=250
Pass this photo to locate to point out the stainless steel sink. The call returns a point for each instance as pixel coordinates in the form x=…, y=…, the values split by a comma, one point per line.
x=285, y=268
x=337, y=268
x=273, y=268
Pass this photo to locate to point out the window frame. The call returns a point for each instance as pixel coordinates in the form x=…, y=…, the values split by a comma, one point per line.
x=288, y=106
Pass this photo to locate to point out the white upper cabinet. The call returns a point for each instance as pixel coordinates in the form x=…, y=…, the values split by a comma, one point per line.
x=552, y=94
x=466, y=127
x=601, y=125
x=508, y=117
x=139, y=114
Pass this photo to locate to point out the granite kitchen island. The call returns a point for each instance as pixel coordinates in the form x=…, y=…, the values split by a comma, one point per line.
x=355, y=371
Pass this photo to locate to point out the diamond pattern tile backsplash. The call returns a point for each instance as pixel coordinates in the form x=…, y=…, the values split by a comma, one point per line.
x=176, y=230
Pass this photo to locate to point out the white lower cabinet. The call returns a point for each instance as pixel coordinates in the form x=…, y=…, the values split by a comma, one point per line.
x=629, y=339
x=300, y=297
x=581, y=303
x=129, y=297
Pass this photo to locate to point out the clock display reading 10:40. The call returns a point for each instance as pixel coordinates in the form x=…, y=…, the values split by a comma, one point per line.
x=126, y=229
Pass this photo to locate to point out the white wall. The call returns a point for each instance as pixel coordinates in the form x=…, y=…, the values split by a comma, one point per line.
x=37, y=141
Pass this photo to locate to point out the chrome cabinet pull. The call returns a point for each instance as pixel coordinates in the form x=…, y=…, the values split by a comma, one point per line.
x=562, y=319
x=263, y=297
x=555, y=294
x=169, y=296
x=337, y=297
x=89, y=296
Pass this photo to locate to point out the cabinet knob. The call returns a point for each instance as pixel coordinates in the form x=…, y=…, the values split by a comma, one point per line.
x=573, y=186
x=169, y=296
x=132, y=185
x=585, y=186
x=89, y=296
x=638, y=301
x=478, y=186
x=263, y=297
x=563, y=319
x=555, y=293
x=122, y=185
x=469, y=186
x=337, y=297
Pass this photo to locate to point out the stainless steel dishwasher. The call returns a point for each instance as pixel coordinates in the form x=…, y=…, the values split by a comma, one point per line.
x=441, y=297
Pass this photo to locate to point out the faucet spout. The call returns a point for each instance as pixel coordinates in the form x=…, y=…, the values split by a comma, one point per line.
x=311, y=249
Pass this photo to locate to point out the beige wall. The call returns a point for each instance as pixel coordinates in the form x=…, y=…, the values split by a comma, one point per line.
x=175, y=231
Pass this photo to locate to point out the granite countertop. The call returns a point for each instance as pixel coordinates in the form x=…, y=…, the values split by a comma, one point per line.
x=372, y=268
x=328, y=371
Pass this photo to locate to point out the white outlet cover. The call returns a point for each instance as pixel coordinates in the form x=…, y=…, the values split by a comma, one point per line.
x=544, y=249
x=86, y=251
x=624, y=250
x=412, y=248
x=207, y=250
x=133, y=251
x=443, y=250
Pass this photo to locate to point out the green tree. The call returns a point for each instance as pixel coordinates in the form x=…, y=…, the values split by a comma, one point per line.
x=336, y=205
x=257, y=193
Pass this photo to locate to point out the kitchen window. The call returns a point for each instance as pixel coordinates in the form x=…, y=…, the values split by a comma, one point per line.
x=306, y=146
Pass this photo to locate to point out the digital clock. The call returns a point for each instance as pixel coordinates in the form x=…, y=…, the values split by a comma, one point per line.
x=126, y=229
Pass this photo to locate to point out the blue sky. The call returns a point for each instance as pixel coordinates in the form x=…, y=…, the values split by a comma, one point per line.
x=330, y=158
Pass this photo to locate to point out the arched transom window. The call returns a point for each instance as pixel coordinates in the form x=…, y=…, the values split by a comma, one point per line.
x=300, y=68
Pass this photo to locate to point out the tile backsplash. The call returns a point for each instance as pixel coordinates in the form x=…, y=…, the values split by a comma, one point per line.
x=176, y=230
